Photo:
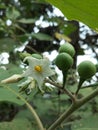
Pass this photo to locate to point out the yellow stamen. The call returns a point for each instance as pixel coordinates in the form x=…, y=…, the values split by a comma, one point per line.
x=38, y=68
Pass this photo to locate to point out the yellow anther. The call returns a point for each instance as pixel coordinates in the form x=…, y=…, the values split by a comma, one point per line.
x=38, y=68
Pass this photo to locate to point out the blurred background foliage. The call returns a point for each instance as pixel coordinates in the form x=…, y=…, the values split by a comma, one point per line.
x=35, y=26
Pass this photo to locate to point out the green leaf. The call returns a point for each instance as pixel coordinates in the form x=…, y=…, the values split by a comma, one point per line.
x=24, y=114
x=11, y=70
x=8, y=96
x=85, y=11
x=27, y=21
x=41, y=36
x=7, y=44
x=5, y=93
x=2, y=6
x=90, y=123
x=12, y=13
x=16, y=124
x=22, y=38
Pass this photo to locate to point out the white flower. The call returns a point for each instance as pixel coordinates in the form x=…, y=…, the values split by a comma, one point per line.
x=38, y=69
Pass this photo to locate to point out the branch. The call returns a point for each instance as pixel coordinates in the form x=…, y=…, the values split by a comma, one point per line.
x=91, y=85
x=62, y=89
x=77, y=104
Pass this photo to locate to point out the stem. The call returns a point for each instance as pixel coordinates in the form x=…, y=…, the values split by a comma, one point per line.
x=91, y=85
x=38, y=121
x=89, y=97
x=64, y=78
x=75, y=105
x=64, y=116
x=79, y=85
x=61, y=88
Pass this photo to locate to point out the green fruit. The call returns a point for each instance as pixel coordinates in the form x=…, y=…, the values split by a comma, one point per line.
x=97, y=67
x=37, y=56
x=68, y=48
x=63, y=61
x=86, y=69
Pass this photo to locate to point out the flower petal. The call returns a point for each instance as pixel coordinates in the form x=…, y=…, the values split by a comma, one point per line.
x=27, y=73
x=48, y=72
x=32, y=61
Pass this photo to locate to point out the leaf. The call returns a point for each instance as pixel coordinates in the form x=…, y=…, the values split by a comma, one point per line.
x=16, y=124
x=22, y=38
x=27, y=21
x=41, y=36
x=12, y=13
x=7, y=44
x=90, y=123
x=85, y=11
x=25, y=113
x=6, y=94
x=2, y=6
x=11, y=70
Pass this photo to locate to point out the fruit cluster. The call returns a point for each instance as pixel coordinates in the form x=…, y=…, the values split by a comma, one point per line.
x=64, y=59
x=64, y=62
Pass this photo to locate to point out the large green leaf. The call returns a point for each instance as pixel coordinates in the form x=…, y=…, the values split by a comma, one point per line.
x=16, y=124
x=8, y=96
x=9, y=70
x=5, y=93
x=85, y=11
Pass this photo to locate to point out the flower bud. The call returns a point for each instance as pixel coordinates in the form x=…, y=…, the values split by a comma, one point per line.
x=13, y=79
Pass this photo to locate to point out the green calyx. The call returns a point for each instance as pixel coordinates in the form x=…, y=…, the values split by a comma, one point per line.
x=64, y=61
x=67, y=48
x=37, y=56
x=86, y=69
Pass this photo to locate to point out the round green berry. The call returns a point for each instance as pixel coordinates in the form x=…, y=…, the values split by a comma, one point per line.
x=63, y=61
x=37, y=56
x=68, y=48
x=86, y=69
x=96, y=67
